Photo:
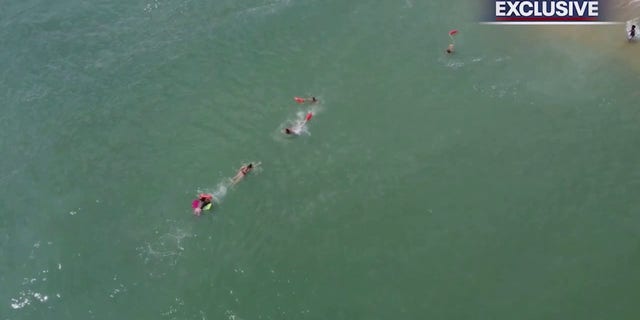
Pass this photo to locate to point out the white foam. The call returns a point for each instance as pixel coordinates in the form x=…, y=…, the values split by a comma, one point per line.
x=299, y=125
x=219, y=192
x=26, y=297
x=19, y=303
x=151, y=6
x=231, y=315
x=455, y=64
x=173, y=309
x=166, y=249
x=116, y=291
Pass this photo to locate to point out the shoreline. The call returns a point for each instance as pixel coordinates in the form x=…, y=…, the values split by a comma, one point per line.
x=609, y=40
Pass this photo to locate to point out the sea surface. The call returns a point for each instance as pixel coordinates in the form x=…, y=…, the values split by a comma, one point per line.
x=501, y=182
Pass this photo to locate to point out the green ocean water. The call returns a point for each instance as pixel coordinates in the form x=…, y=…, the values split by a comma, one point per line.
x=499, y=183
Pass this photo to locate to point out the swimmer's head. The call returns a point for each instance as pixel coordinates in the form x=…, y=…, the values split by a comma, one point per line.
x=314, y=98
x=250, y=165
x=288, y=131
x=633, y=27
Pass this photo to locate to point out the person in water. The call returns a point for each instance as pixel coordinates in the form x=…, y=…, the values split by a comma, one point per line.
x=450, y=49
x=244, y=170
x=303, y=100
x=632, y=32
x=202, y=203
x=299, y=127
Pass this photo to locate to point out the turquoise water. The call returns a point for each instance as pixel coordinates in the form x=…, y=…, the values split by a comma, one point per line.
x=498, y=183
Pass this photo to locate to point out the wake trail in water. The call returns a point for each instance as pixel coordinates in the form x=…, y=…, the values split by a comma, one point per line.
x=164, y=250
x=219, y=192
x=299, y=124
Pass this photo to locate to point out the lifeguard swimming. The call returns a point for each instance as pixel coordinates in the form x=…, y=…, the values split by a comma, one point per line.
x=299, y=126
x=203, y=202
x=303, y=100
x=450, y=48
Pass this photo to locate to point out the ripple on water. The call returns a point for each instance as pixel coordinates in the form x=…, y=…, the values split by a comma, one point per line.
x=33, y=288
x=164, y=250
x=32, y=291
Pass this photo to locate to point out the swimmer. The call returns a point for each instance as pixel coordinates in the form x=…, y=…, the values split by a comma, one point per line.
x=303, y=100
x=450, y=49
x=299, y=127
x=632, y=32
x=202, y=203
x=241, y=173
